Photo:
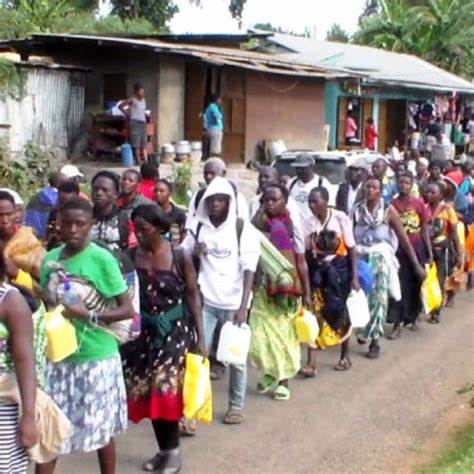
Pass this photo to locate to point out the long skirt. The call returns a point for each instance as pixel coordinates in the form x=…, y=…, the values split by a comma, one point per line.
x=275, y=349
x=154, y=376
x=407, y=310
x=378, y=299
x=13, y=458
x=92, y=395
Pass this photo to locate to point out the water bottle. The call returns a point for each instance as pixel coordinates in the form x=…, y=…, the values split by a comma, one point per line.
x=69, y=296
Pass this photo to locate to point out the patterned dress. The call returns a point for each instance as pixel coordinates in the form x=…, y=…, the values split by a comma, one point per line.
x=376, y=241
x=13, y=458
x=154, y=363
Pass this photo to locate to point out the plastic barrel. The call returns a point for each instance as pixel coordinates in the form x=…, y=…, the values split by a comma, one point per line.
x=127, y=155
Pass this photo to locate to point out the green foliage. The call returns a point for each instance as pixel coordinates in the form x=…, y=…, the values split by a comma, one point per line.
x=29, y=174
x=58, y=16
x=182, y=176
x=337, y=34
x=157, y=12
x=459, y=458
x=440, y=31
x=88, y=23
x=11, y=80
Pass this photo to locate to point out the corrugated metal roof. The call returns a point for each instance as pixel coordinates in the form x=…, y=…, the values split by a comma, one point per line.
x=379, y=65
x=276, y=64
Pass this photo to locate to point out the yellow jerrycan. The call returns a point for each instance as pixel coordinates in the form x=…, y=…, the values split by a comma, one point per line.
x=60, y=335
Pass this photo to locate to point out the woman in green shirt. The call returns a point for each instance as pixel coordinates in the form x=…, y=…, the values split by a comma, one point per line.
x=88, y=386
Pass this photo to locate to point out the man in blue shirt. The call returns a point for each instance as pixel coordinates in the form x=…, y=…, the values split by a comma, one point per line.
x=214, y=125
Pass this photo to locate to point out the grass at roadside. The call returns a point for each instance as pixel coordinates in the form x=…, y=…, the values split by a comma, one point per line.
x=458, y=458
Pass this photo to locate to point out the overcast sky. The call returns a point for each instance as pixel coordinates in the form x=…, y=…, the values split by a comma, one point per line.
x=295, y=15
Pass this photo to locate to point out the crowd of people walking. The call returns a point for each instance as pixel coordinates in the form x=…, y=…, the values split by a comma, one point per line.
x=128, y=257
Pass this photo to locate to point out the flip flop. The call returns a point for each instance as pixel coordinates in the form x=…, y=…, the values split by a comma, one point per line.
x=281, y=393
x=265, y=384
x=343, y=364
x=233, y=417
x=308, y=372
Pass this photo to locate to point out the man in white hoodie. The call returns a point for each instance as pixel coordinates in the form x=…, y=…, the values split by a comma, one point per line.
x=214, y=167
x=228, y=249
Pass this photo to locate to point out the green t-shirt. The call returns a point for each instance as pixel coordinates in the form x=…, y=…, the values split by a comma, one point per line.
x=100, y=268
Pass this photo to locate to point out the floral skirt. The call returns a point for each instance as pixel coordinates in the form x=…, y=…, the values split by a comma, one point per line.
x=378, y=299
x=92, y=395
x=154, y=376
x=275, y=349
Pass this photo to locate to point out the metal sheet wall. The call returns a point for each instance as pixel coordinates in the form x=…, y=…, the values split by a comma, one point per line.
x=51, y=112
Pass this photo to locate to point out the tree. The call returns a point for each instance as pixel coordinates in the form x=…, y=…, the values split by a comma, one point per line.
x=59, y=16
x=157, y=12
x=268, y=27
x=337, y=34
x=440, y=31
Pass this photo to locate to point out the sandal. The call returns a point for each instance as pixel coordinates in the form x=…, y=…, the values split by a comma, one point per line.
x=396, y=333
x=361, y=341
x=434, y=319
x=281, y=393
x=265, y=384
x=343, y=364
x=307, y=372
x=187, y=427
x=233, y=417
x=374, y=351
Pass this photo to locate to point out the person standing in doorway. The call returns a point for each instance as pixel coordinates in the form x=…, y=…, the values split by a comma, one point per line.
x=135, y=109
x=351, y=129
x=214, y=125
x=370, y=134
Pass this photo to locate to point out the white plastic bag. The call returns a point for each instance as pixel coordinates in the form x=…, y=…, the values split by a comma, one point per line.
x=234, y=344
x=358, y=308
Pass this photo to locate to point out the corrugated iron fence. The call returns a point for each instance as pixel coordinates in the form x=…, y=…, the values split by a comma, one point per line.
x=50, y=113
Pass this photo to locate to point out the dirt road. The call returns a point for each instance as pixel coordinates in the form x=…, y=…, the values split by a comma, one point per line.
x=366, y=420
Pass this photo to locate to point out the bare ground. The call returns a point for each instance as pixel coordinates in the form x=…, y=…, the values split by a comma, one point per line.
x=379, y=417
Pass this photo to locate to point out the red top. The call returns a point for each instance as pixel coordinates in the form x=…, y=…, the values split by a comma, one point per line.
x=145, y=188
x=370, y=136
x=457, y=176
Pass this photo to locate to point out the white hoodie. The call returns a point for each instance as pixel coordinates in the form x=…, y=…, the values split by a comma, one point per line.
x=222, y=269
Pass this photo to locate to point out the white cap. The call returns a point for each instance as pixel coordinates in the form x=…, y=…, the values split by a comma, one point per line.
x=70, y=171
x=16, y=197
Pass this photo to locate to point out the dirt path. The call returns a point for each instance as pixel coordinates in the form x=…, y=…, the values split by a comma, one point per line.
x=368, y=420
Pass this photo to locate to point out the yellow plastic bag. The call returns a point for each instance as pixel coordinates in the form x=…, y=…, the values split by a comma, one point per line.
x=306, y=326
x=431, y=295
x=23, y=279
x=60, y=335
x=461, y=231
x=197, y=393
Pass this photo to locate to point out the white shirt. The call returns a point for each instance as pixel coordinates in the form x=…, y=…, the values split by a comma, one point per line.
x=221, y=276
x=299, y=191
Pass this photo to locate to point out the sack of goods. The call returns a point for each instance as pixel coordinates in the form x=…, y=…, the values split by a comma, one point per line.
x=274, y=264
x=431, y=294
x=358, y=309
x=306, y=326
x=234, y=344
x=197, y=392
